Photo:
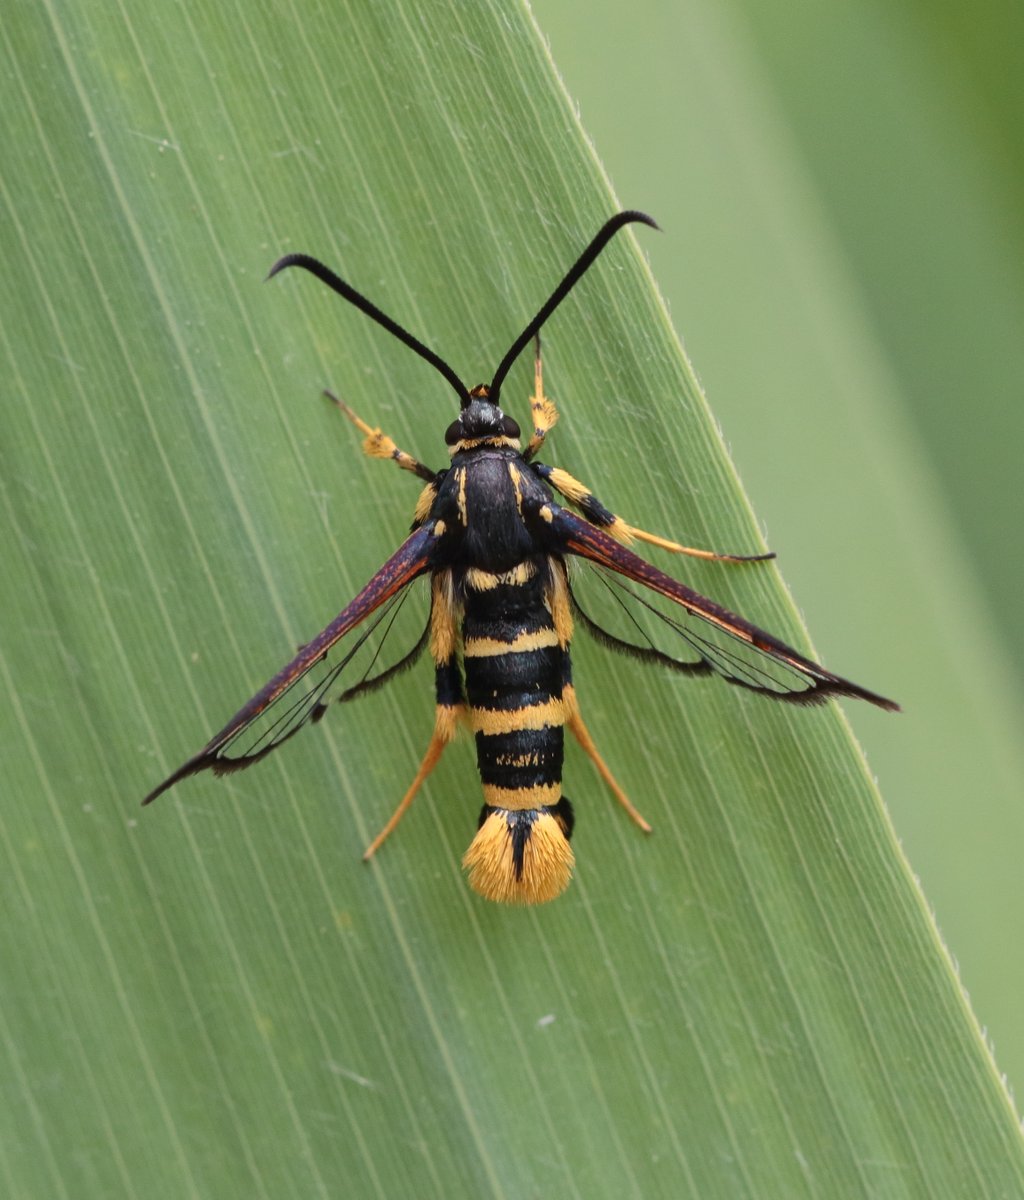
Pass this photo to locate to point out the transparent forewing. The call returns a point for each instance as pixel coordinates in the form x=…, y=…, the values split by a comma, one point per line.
x=641, y=610
x=382, y=631
x=366, y=657
x=637, y=621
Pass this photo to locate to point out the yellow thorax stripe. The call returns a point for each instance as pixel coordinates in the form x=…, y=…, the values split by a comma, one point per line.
x=483, y=581
x=475, y=443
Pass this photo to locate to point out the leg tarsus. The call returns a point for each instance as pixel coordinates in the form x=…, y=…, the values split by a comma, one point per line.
x=377, y=444
x=653, y=540
x=439, y=739
x=542, y=410
x=582, y=735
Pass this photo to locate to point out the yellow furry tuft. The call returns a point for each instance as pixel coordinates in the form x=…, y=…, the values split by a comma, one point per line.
x=548, y=859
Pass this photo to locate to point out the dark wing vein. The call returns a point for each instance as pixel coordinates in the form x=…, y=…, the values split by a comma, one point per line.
x=276, y=713
x=656, y=630
x=671, y=624
x=281, y=720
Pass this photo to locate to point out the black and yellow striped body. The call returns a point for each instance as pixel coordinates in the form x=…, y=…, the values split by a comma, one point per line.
x=492, y=538
x=508, y=600
x=515, y=672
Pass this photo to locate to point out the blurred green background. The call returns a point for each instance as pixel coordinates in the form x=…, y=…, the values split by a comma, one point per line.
x=841, y=187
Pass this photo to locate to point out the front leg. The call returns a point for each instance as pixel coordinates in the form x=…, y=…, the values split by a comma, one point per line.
x=377, y=444
x=542, y=410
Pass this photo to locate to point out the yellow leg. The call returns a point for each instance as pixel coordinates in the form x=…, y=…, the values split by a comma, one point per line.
x=584, y=499
x=378, y=445
x=444, y=730
x=631, y=531
x=542, y=409
x=582, y=735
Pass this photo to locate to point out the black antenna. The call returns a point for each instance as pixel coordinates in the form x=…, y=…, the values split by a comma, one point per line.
x=326, y=275
x=576, y=271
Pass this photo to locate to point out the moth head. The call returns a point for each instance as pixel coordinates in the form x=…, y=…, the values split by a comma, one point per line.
x=480, y=419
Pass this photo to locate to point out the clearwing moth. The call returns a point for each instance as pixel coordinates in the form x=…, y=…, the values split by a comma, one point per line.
x=494, y=542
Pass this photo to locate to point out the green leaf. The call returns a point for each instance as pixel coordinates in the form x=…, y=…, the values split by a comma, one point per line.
x=214, y=997
x=844, y=258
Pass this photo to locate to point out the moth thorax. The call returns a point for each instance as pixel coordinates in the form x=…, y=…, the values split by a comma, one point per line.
x=521, y=856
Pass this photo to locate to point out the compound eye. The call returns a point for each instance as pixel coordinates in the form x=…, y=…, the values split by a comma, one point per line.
x=453, y=433
x=509, y=427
